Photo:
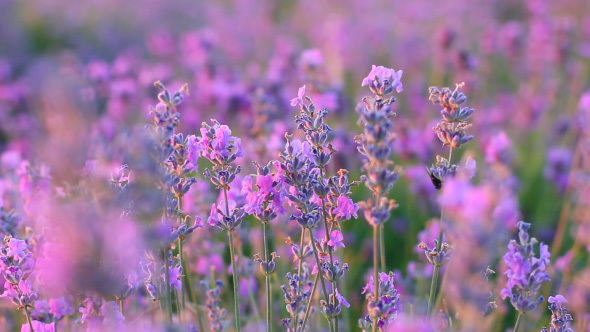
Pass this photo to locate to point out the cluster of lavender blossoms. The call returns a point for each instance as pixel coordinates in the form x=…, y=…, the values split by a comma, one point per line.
x=318, y=200
x=526, y=273
x=218, y=146
x=560, y=319
x=178, y=161
x=451, y=131
x=16, y=268
x=375, y=144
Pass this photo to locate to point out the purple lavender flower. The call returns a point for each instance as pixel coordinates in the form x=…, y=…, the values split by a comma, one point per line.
x=526, y=273
x=382, y=81
x=560, y=319
x=559, y=160
x=299, y=99
x=38, y=327
x=385, y=308
x=346, y=208
x=336, y=238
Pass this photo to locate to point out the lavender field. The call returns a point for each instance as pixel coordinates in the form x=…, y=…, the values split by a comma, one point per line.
x=260, y=165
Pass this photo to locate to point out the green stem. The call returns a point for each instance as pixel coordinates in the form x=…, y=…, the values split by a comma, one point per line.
x=235, y=277
x=193, y=297
x=382, y=246
x=121, y=307
x=517, y=324
x=308, y=309
x=327, y=229
x=300, y=260
x=433, y=285
x=317, y=259
x=434, y=282
x=167, y=285
x=28, y=317
x=267, y=281
x=375, y=271
x=183, y=276
x=182, y=280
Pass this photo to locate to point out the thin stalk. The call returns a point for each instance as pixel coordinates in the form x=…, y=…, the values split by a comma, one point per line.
x=182, y=277
x=267, y=281
x=433, y=285
x=28, y=317
x=166, y=267
x=375, y=271
x=327, y=229
x=434, y=282
x=167, y=282
x=235, y=276
x=330, y=255
x=121, y=307
x=177, y=300
x=300, y=260
x=308, y=309
x=193, y=297
x=317, y=259
x=382, y=246
x=517, y=324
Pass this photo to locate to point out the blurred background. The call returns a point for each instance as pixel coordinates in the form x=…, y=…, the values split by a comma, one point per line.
x=76, y=79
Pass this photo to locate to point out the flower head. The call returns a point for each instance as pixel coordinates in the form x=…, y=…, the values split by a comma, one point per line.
x=383, y=81
x=299, y=99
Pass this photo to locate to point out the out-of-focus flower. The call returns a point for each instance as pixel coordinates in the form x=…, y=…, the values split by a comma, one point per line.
x=382, y=81
x=299, y=99
x=526, y=273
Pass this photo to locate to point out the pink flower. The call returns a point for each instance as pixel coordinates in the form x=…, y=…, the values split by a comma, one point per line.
x=38, y=327
x=299, y=99
x=380, y=74
x=16, y=247
x=346, y=208
x=335, y=241
x=557, y=299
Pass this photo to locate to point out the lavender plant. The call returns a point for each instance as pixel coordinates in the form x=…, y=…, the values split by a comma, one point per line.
x=451, y=131
x=526, y=273
x=560, y=319
x=375, y=144
x=218, y=146
x=265, y=203
x=317, y=198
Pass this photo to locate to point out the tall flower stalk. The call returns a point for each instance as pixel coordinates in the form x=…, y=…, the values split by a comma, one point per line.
x=375, y=144
x=451, y=131
x=265, y=199
x=222, y=149
x=173, y=154
x=318, y=198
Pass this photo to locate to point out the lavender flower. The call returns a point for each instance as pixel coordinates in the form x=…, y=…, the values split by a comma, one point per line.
x=559, y=317
x=216, y=313
x=526, y=273
x=451, y=131
x=384, y=309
